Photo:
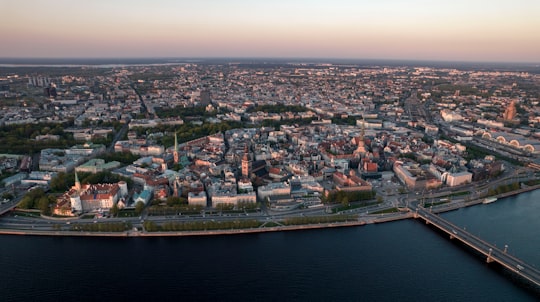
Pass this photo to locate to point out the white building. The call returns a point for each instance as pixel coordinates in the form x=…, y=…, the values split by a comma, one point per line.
x=450, y=116
x=273, y=189
x=460, y=178
x=197, y=199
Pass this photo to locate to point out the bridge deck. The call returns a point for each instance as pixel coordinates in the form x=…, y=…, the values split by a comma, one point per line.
x=491, y=252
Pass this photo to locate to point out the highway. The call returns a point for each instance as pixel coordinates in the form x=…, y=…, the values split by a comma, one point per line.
x=8, y=206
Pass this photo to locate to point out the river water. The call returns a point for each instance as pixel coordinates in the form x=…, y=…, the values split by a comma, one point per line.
x=398, y=261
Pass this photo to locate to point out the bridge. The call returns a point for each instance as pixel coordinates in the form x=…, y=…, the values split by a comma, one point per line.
x=491, y=252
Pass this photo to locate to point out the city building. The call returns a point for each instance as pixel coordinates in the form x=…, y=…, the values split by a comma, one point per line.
x=83, y=198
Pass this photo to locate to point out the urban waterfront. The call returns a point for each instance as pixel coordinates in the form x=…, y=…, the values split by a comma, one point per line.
x=400, y=261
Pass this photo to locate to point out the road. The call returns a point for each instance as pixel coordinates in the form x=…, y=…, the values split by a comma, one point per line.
x=10, y=221
x=118, y=136
x=8, y=206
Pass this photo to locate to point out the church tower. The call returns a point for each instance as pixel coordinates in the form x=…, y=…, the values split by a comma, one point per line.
x=175, y=152
x=246, y=163
x=75, y=199
x=360, y=144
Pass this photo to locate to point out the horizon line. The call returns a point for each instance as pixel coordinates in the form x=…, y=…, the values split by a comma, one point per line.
x=276, y=58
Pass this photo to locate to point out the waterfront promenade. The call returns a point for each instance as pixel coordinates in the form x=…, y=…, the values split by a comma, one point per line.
x=185, y=233
x=363, y=219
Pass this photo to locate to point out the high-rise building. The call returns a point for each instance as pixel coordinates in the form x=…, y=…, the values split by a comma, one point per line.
x=175, y=152
x=510, y=112
x=205, y=98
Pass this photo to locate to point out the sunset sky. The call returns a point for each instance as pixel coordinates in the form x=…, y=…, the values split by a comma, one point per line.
x=469, y=30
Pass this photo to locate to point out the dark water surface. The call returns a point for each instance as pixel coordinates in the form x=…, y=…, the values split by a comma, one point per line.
x=400, y=261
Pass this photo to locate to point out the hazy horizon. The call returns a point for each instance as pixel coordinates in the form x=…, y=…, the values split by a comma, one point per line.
x=418, y=30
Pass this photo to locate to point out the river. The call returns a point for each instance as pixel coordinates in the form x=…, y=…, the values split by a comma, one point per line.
x=398, y=261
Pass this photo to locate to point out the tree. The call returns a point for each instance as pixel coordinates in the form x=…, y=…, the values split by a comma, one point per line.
x=150, y=226
x=139, y=207
x=114, y=210
x=58, y=183
x=173, y=200
x=345, y=201
x=43, y=205
x=7, y=195
x=26, y=203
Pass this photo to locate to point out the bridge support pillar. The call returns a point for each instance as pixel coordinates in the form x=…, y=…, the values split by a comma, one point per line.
x=489, y=259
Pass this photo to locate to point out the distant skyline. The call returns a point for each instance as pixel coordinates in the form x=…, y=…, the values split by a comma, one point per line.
x=460, y=30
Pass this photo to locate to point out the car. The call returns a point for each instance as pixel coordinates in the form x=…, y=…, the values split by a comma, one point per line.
x=520, y=267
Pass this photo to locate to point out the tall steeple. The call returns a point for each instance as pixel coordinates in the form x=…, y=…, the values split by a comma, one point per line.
x=175, y=152
x=363, y=133
x=360, y=145
x=77, y=182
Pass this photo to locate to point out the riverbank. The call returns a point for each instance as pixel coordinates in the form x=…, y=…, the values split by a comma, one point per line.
x=370, y=219
x=183, y=233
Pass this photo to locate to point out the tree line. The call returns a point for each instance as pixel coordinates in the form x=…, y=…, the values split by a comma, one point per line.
x=345, y=197
x=20, y=139
x=504, y=189
x=37, y=199
x=64, y=181
x=176, y=226
x=102, y=227
x=319, y=219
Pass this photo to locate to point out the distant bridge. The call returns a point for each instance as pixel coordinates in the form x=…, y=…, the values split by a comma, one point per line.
x=491, y=252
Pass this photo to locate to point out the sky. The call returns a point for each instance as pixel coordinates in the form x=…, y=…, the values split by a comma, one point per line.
x=457, y=30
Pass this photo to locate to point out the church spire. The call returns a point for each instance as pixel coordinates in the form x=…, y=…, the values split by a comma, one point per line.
x=77, y=182
x=363, y=133
x=175, y=142
x=175, y=152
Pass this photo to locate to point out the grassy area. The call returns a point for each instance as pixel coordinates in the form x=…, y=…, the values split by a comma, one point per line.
x=459, y=194
x=127, y=213
x=386, y=211
x=177, y=226
x=27, y=214
x=319, y=219
x=533, y=182
x=270, y=224
x=353, y=206
x=433, y=204
x=88, y=216
x=102, y=227
x=504, y=189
